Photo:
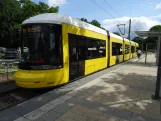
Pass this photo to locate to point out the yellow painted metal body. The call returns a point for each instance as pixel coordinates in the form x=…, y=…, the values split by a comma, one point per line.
x=92, y=65
x=126, y=56
x=132, y=54
x=48, y=78
x=113, y=58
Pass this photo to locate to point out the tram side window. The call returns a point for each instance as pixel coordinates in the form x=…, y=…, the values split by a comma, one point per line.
x=55, y=44
x=92, y=48
x=81, y=46
x=95, y=48
x=126, y=49
x=132, y=49
x=116, y=49
x=102, y=48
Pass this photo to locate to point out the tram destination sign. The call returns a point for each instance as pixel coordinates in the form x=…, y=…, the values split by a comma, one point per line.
x=31, y=29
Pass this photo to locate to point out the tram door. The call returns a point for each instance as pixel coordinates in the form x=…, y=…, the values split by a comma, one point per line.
x=76, y=56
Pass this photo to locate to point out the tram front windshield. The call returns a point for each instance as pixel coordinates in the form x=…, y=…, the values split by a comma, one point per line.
x=41, y=45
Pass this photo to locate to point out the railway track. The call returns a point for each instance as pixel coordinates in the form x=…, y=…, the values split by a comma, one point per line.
x=18, y=95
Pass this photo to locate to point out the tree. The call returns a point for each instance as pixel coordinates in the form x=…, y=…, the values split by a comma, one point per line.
x=117, y=33
x=84, y=19
x=95, y=23
x=155, y=28
x=10, y=11
x=138, y=40
x=13, y=13
x=30, y=9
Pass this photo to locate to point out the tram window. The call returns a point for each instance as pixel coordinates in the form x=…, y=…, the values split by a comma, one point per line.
x=116, y=48
x=102, y=48
x=92, y=48
x=81, y=46
x=132, y=49
x=126, y=49
x=55, y=45
x=88, y=48
x=52, y=48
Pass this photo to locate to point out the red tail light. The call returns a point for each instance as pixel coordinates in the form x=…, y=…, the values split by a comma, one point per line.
x=37, y=82
x=41, y=60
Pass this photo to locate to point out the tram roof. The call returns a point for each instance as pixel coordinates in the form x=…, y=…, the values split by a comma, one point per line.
x=59, y=19
x=133, y=42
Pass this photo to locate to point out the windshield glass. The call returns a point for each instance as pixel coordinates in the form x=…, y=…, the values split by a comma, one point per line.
x=41, y=44
x=33, y=43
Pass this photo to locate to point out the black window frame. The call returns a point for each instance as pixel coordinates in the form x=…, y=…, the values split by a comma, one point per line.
x=128, y=49
x=116, y=49
x=29, y=65
x=132, y=49
x=91, y=47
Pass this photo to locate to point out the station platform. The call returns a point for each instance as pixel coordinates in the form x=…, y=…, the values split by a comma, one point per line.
x=119, y=93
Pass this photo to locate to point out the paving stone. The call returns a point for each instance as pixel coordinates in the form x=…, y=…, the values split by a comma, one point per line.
x=108, y=118
x=79, y=109
x=137, y=117
x=122, y=114
x=47, y=107
x=90, y=104
x=74, y=100
x=122, y=120
x=19, y=109
x=22, y=119
x=70, y=116
x=66, y=97
x=8, y=115
x=90, y=119
x=34, y=114
x=64, y=107
x=57, y=101
x=133, y=108
x=119, y=106
x=93, y=114
x=50, y=116
x=106, y=109
x=149, y=105
x=152, y=113
x=30, y=105
x=59, y=120
x=39, y=119
x=83, y=94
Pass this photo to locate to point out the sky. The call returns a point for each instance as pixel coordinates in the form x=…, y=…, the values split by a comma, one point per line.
x=143, y=13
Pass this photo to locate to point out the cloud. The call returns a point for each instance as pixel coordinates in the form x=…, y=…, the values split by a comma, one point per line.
x=137, y=24
x=158, y=6
x=56, y=2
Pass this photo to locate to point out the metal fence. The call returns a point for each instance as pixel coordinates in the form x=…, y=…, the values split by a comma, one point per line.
x=7, y=70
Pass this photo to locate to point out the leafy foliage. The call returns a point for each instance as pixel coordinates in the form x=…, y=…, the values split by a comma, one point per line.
x=84, y=19
x=117, y=33
x=155, y=28
x=95, y=23
x=13, y=13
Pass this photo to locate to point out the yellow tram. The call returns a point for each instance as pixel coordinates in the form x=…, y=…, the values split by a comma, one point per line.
x=57, y=49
